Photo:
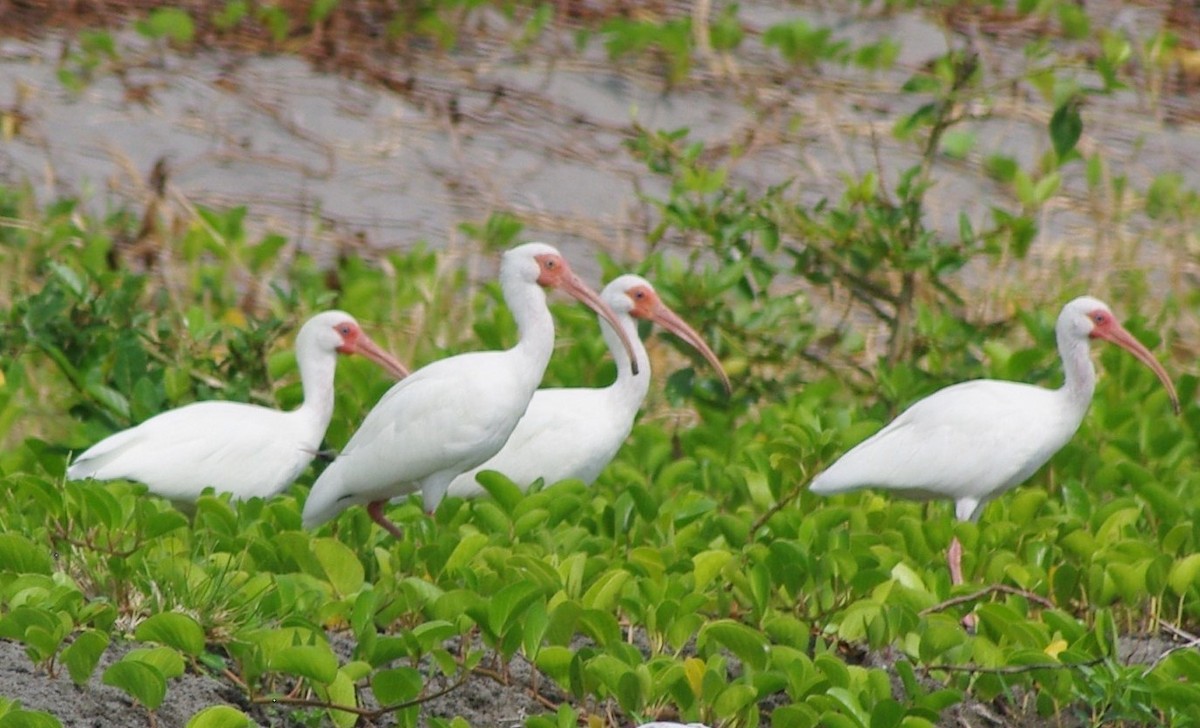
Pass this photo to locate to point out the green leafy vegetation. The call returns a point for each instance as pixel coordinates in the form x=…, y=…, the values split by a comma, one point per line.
x=697, y=578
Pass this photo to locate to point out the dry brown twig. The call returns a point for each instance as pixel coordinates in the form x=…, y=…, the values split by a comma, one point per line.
x=1192, y=641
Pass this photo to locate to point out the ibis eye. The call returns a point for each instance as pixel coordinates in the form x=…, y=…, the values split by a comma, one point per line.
x=344, y=329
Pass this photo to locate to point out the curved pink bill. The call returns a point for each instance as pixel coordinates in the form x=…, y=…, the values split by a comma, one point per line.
x=570, y=283
x=670, y=321
x=1122, y=338
x=368, y=348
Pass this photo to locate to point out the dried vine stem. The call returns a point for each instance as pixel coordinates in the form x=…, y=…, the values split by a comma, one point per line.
x=368, y=713
x=779, y=506
x=1192, y=641
x=1012, y=669
x=993, y=589
x=89, y=542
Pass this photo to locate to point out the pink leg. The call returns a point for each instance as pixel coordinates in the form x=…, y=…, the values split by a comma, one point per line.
x=375, y=509
x=954, y=557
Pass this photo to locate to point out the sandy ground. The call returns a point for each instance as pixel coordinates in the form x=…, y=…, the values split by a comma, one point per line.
x=100, y=706
x=483, y=700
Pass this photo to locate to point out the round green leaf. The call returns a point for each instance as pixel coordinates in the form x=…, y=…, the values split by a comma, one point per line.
x=464, y=551
x=21, y=556
x=629, y=692
x=165, y=659
x=1183, y=574
x=749, y=645
x=502, y=490
x=1177, y=696
x=734, y=699
x=220, y=716
x=797, y=715
x=396, y=686
x=887, y=713
x=174, y=630
x=164, y=522
x=28, y=719
x=341, y=567
x=603, y=594
x=82, y=655
x=940, y=634
x=707, y=564
x=509, y=604
x=340, y=691
x=142, y=681
x=555, y=661
x=315, y=662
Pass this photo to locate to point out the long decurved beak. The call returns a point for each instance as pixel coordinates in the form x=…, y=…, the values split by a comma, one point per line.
x=1122, y=338
x=570, y=283
x=368, y=348
x=670, y=321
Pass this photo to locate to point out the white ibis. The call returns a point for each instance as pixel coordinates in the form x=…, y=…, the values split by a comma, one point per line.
x=972, y=441
x=237, y=448
x=453, y=414
x=575, y=433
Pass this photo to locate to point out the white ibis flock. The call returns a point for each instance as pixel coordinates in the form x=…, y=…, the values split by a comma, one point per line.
x=455, y=413
x=241, y=449
x=974, y=440
x=435, y=429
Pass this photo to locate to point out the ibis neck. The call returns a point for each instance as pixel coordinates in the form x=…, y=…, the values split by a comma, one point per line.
x=535, y=327
x=629, y=389
x=1080, y=375
x=317, y=370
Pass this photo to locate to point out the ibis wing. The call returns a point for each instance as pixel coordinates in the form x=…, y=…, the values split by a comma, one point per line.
x=233, y=447
x=969, y=440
